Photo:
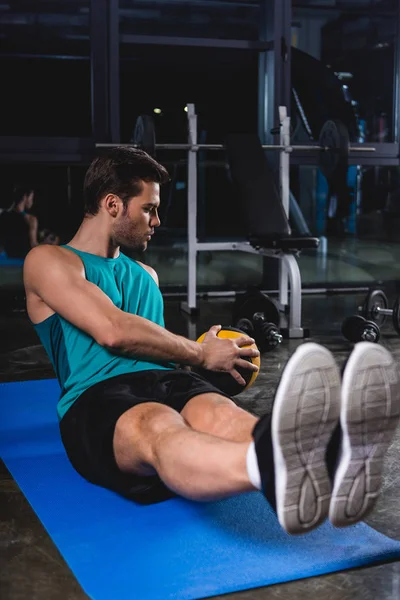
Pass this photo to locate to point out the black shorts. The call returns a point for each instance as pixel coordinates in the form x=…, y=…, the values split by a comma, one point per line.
x=87, y=428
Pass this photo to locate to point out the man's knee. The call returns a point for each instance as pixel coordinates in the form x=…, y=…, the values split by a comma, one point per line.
x=135, y=433
x=229, y=419
x=216, y=415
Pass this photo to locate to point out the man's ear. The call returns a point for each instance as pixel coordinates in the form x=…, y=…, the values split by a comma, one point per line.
x=112, y=204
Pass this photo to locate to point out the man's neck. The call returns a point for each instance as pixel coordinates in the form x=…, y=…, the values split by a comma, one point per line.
x=92, y=238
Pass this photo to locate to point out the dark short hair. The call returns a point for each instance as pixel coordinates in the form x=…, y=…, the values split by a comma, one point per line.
x=120, y=171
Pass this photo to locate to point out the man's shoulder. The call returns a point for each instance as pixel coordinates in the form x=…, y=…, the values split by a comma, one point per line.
x=149, y=269
x=47, y=254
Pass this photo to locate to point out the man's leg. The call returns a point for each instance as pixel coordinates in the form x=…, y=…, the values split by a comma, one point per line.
x=290, y=446
x=369, y=416
x=304, y=416
x=152, y=438
x=286, y=458
x=219, y=416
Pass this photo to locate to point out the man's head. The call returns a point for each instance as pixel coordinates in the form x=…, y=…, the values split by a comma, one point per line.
x=23, y=196
x=123, y=186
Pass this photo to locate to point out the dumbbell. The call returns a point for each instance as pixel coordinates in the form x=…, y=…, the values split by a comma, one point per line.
x=257, y=314
x=357, y=329
x=266, y=334
x=376, y=308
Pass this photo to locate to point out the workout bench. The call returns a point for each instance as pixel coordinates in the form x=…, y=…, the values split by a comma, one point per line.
x=265, y=211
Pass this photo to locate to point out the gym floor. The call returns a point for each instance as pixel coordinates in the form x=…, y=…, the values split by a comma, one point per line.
x=32, y=567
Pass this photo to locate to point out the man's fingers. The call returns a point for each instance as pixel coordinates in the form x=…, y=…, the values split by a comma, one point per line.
x=244, y=341
x=215, y=329
x=250, y=352
x=246, y=364
x=237, y=376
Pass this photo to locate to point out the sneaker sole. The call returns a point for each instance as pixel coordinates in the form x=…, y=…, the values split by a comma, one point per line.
x=306, y=411
x=370, y=408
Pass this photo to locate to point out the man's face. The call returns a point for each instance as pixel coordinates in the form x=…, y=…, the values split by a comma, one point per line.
x=135, y=225
x=29, y=200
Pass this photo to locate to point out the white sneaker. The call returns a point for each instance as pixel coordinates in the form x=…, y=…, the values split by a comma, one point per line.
x=291, y=445
x=370, y=409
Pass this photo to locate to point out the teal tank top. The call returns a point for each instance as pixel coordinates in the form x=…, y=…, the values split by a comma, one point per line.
x=78, y=360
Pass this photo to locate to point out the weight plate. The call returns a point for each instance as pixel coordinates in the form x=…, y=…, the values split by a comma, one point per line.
x=144, y=135
x=372, y=333
x=375, y=299
x=252, y=302
x=335, y=143
x=353, y=328
x=246, y=326
x=396, y=315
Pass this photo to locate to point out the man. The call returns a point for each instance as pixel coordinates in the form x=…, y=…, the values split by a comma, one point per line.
x=18, y=227
x=134, y=423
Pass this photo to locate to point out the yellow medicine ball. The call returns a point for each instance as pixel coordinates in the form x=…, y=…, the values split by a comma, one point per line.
x=224, y=381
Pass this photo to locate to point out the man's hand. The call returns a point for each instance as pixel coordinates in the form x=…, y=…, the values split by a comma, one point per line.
x=223, y=354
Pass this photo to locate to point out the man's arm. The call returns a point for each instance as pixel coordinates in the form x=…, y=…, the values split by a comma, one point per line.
x=33, y=229
x=58, y=280
x=56, y=276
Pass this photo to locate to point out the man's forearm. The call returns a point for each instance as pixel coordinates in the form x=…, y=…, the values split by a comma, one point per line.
x=137, y=336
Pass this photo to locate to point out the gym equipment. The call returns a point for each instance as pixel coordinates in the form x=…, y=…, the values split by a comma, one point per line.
x=177, y=549
x=144, y=134
x=376, y=308
x=258, y=316
x=334, y=144
x=374, y=304
x=334, y=137
x=280, y=247
x=224, y=381
x=357, y=329
x=396, y=316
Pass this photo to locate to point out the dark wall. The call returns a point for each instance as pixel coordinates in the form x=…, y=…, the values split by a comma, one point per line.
x=45, y=97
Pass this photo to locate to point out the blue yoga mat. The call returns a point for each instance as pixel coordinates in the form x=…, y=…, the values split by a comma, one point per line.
x=177, y=549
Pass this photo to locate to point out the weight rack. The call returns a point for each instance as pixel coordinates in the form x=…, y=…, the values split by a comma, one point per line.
x=289, y=272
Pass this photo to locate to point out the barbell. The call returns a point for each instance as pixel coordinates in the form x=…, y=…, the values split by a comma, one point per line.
x=334, y=144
